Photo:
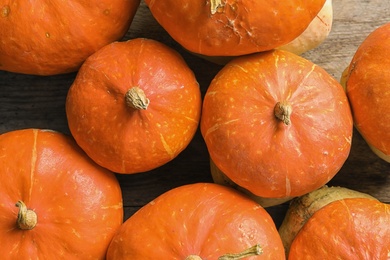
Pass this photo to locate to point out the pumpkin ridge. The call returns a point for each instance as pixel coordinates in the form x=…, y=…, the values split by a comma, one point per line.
x=217, y=126
x=34, y=158
x=166, y=146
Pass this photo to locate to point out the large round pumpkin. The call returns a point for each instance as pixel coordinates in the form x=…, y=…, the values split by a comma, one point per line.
x=276, y=124
x=232, y=28
x=134, y=105
x=55, y=202
x=53, y=37
x=367, y=81
x=198, y=221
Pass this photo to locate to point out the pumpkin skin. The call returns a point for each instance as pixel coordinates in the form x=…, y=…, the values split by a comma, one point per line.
x=47, y=38
x=78, y=204
x=221, y=178
x=203, y=219
x=126, y=139
x=367, y=81
x=271, y=157
x=355, y=228
x=233, y=28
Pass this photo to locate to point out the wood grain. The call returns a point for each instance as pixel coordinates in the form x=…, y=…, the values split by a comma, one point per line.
x=39, y=102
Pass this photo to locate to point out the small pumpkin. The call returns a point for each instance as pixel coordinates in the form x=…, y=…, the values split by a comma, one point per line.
x=47, y=38
x=198, y=221
x=276, y=124
x=134, y=105
x=338, y=224
x=233, y=28
x=302, y=208
x=367, y=83
x=55, y=202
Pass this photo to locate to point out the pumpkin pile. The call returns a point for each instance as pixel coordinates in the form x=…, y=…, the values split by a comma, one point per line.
x=277, y=128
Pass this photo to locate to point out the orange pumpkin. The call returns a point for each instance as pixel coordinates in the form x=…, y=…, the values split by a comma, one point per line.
x=302, y=208
x=55, y=202
x=347, y=227
x=134, y=106
x=198, y=221
x=367, y=81
x=47, y=38
x=276, y=124
x=232, y=28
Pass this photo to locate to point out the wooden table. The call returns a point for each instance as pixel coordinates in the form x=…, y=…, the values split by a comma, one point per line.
x=39, y=102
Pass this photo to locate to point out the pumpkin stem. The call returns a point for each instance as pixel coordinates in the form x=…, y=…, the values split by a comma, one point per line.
x=283, y=111
x=215, y=5
x=27, y=218
x=252, y=251
x=136, y=98
x=193, y=257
